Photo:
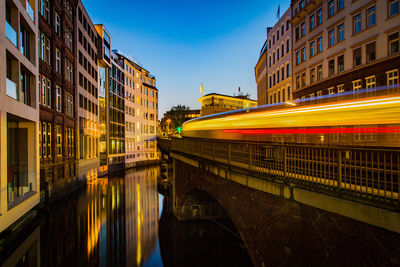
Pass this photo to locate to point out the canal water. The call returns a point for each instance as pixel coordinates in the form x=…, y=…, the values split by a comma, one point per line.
x=120, y=221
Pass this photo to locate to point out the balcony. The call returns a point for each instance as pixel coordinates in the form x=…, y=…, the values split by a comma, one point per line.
x=11, y=34
x=11, y=89
x=30, y=11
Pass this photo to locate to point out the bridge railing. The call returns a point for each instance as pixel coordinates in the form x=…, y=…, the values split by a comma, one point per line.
x=363, y=174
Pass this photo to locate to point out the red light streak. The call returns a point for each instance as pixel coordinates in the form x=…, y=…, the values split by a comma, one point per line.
x=317, y=130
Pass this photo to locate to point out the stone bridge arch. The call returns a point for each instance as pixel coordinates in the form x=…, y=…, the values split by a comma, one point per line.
x=281, y=231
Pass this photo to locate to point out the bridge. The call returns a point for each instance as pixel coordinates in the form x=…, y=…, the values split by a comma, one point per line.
x=293, y=203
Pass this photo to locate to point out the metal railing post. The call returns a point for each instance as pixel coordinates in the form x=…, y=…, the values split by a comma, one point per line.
x=229, y=153
x=250, y=156
x=339, y=166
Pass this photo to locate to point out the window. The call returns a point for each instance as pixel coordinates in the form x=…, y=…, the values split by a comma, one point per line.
x=270, y=62
x=68, y=71
x=287, y=25
x=357, y=23
x=312, y=75
x=331, y=37
x=287, y=46
x=25, y=47
x=331, y=8
x=277, y=35
x=57, y=24
x=298, y=59
x=319, y=72
x=25, y=87
x=45, y=93
x=303, y=79
x=69, y=104
x=371, y=16
x=331, y=65
x=394, y=43
x=301, y=4
x=393, y=7
x=298, y=82
x=319, y=93
x=340, y=5
x=370, y=82
x=68, y=38
x=283, y=73
x=319, y=16
x=303, y=29
x=312, y=22
x=340, y=88
x=357, y=85
x=277, y=54
x=340, y=63
x=340, y=32
x=277, y=76
x=59, y=140
x=282, y=50
x=45, y=48
x=371, y=54
x=392, y=77
x=287, y=71
x=58, y=61
x=58, y=98
x=297, y=33
x=331, y=90
x=49, y=134
x=319, y=44
x=357, y=56
x=45, y=9
x=68, y=9
x=303, y=54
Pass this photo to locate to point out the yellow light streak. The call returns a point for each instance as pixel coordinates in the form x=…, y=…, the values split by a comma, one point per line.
x=367, y=111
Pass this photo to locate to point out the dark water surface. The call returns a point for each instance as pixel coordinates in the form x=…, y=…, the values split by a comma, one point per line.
x=120, y=221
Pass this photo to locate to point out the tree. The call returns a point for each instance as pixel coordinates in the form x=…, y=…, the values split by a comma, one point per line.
x=175, y=117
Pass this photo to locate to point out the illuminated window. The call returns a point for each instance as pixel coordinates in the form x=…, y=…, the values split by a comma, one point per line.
x=319, y=93
x=59, y=141
x=40, y=140
x=392, y=77
x=49, y=136
x=340, y=88
x=357, y=85
x=331, y=90
x=370, y=81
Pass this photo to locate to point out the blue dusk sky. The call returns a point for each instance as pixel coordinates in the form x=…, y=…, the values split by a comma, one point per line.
x=186, y=43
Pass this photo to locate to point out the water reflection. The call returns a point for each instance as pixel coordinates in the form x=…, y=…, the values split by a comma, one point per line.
x=115, y=222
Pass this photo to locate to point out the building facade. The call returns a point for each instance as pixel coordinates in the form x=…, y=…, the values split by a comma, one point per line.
x=279, y=61
x=216, y=103
x=261, y=74
x=104, y=66
x=116, y=115
x=19, y=110
x=57, y=95
x=344, y=45
x=141, y=113
x=87, y=108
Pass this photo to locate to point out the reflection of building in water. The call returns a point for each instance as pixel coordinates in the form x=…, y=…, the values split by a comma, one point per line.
x=104, y=222
x=141, y=214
